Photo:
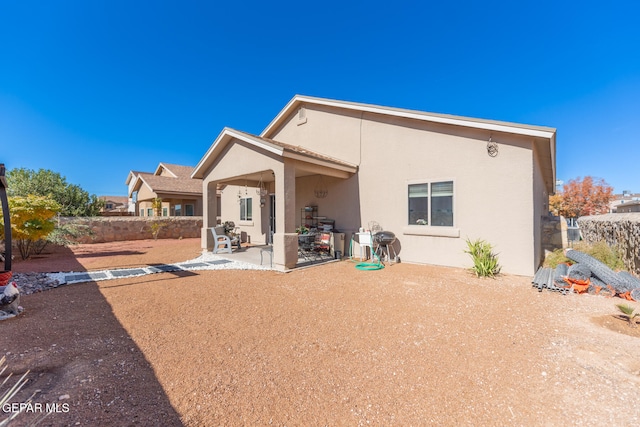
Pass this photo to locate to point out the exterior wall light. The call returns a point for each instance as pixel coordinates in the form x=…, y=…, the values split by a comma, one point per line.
x=492, y=148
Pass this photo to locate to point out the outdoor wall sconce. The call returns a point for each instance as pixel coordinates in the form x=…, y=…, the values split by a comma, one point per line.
x=492, y=148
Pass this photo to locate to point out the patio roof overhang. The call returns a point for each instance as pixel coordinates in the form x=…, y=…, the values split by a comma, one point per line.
x=307, y=162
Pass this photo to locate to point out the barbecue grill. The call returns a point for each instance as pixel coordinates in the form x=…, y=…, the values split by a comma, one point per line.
x=385, y=239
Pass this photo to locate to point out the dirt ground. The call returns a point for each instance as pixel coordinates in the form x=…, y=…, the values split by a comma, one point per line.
x=328, y=345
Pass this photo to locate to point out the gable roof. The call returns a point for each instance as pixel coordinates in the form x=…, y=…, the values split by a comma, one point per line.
x=178, y=171
x=278, y=148
x=132, y=176
x=178, y=181
x=120, y=200
x=167, y=184
x=494, y=125
x=545, y=136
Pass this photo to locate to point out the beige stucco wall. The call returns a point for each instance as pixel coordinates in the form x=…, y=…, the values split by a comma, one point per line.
x=145, y=195
x=340, y=204
x=168, y=202
x=493, y=196
x=239, y=160
x=253, y=231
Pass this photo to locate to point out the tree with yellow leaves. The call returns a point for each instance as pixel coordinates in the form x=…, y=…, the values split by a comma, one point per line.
x=31, y=219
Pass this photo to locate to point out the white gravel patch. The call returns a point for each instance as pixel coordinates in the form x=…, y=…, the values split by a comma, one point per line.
x=206, y=261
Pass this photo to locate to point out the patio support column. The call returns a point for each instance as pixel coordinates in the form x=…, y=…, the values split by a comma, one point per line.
x=285, y=241
x=209, y=214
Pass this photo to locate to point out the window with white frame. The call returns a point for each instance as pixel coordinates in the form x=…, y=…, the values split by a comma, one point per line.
x=418, y=204
x=431, y=203
x=246, y=209
x=442, y=204
x=149, y=211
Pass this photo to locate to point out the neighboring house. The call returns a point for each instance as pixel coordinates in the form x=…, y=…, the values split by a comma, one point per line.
x=433, y=180
x=628, y=207
x=181, y=195
x=621, y=199
x=115, y=206
x=131, y=181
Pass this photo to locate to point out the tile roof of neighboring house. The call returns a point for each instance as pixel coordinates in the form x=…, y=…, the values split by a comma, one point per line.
x=166, y=184
x=178, y=171
x=132, y=176
x=120, y=200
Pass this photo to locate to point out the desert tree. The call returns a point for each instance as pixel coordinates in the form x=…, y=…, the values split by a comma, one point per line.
x=31, y=221
x=582, y=197
x=73, y=200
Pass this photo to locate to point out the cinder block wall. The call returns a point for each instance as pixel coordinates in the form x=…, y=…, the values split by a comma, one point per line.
x=554, y=233
x=617, y=229
x=113, y=229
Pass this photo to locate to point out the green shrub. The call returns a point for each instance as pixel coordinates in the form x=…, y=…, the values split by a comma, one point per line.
x=156, y=228
x=606, y=254
x=629, y=312
x=485, y=262
x=553, y=259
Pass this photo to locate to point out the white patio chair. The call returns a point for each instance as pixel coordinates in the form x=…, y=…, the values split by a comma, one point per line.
x=223, y=243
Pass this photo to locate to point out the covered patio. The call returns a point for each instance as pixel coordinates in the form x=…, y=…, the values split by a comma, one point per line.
x=262, y=255
x=282, y=179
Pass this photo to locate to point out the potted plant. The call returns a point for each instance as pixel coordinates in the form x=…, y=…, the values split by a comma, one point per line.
x=229, y=228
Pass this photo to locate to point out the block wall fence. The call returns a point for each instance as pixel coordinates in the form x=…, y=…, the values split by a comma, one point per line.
x=114, y=229
x=617, y=229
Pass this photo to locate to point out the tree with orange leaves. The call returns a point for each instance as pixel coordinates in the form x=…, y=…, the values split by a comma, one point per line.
x=581, y=197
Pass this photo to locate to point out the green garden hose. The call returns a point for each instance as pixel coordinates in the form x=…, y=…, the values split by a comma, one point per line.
x=366, y=266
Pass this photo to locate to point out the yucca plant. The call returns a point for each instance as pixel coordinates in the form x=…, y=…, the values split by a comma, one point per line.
x=628, y=311
x=485, y=261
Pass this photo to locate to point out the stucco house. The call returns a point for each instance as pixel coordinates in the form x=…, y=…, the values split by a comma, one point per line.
x=114, y=205
x=628, y=207
x=434, y=180
x=619, y=200
x=180, y=193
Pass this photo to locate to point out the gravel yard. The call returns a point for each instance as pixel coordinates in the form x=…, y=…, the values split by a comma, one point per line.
x=329, y=345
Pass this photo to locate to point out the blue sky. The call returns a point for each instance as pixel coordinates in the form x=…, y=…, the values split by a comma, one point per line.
x=94, y=89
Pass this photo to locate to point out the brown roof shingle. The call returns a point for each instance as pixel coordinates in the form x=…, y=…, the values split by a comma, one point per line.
x=166, y=184
x=179, y=171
